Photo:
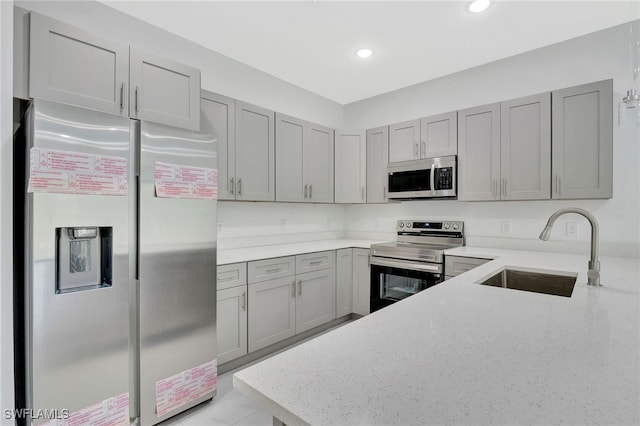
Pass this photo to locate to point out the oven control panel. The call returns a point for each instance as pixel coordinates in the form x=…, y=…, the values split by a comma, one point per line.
x=407, y=226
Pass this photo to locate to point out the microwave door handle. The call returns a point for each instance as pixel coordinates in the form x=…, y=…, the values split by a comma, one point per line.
x=432, y=179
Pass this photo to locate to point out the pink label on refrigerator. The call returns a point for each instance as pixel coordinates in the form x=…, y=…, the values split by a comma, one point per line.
x=69, y=172
x=113, y=411
x=185, y=387
x=179, y=181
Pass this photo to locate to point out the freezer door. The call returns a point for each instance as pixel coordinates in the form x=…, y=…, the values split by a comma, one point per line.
x=177, y=273
x=76, y=263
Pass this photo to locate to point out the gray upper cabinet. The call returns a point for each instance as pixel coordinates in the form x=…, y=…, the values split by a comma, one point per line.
x=404, y=141
x=377, y=159
x=164, y=91
x=582, y=133
x=319, y=163
x=479, y=153
x=439, y=135
x=217, y=117
x=304, y=161
x=350, y=166
x=291, y=140
x=526, y=148
x=73, y=66
x=255, y=153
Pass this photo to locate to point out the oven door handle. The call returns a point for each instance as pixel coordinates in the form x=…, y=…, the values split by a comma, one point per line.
x=404, y=264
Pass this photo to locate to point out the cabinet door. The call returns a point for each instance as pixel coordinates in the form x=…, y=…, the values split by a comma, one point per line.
x=315, y=300
x=319, y=164
x=525, y=148
x=73, y=66
x=404, y=141
x=344, y=282
x=218, y=118
x=361, y=282
x=291, y=141
x=351, y=167
x=479, y=153
x=164, y=91
x=231, y=323
x=377, y=159
x=272, y=316
x=582, y=133
x=255, y=153
x=439, y=135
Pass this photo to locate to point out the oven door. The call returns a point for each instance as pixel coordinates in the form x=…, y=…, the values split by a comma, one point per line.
x=393, y=279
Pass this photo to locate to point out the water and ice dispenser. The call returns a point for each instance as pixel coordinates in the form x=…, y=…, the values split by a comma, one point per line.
x=84, y=258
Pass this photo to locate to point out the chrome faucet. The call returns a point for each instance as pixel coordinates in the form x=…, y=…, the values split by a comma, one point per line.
x=593, y=274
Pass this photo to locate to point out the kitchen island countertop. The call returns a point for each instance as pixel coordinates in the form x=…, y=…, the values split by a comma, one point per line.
x=465, y=353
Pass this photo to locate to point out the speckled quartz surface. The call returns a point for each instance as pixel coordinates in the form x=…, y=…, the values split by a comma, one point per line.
x=464, y=353
x=278, y=250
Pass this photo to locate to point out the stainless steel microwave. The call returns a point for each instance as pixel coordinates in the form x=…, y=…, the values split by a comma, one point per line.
x=426, y=178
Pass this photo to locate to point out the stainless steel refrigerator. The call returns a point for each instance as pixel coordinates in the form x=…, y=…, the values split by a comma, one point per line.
x=118, y=293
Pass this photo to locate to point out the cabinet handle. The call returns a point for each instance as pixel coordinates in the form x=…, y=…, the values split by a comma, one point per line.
x=226, y=278
x=299, y=287
x=504, y=187
x=231, y=186
x=415, y=151
x=558, y=182
x=136, y=98
x=273, y=271
x=306, y=191
x=122, y=96
x=362, y=193
x=293, y=288
x=240, y=186
x=244, y=300
x=310, y=191
x=494, y=190
x=424, y=149
x=316, y=262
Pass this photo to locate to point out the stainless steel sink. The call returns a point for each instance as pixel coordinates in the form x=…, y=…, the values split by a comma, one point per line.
x=538, y=282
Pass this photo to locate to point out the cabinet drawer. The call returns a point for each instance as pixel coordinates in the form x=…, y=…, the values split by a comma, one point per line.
x=455, y=265
x=269, y=269
x=231, y=275
x=314, y=261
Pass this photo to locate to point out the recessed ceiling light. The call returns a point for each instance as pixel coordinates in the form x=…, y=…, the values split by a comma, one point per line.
x=364, y=53
x=478, y=6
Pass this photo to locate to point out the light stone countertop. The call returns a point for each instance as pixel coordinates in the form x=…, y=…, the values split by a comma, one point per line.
x=227, y=256
x=464, y=353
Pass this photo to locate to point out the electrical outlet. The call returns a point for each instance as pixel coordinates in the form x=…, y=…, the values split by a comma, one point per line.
x=572, y=229
x=506, y=226
x=283, y=225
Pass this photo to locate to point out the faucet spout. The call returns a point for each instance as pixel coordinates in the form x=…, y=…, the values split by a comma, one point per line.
x=593, y=274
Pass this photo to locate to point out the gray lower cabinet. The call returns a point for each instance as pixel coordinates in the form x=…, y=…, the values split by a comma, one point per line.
x=231, y=325
x=231, y=311
x=404, y=141
x=361, y=282
x=456, y=265
x=304, y=161
x=164, y=91
x=73, y=66
x=344, y=282
x=283, y=303
x=582, y=152
x=350, y=166
x=377, y=159
x=254, y=153
x=217, y=117
x=439, y=135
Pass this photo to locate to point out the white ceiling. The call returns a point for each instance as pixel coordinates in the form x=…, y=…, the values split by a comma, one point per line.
x=312, y=43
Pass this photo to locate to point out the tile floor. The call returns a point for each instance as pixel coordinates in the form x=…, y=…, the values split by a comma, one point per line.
x=230, y=407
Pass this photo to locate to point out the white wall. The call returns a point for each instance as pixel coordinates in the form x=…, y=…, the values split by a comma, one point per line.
x=243, y=224
x=6, y=209
x=220, y=74
x=593, y=57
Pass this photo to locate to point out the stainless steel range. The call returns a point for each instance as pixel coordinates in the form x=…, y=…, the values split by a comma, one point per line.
x=414, y=262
